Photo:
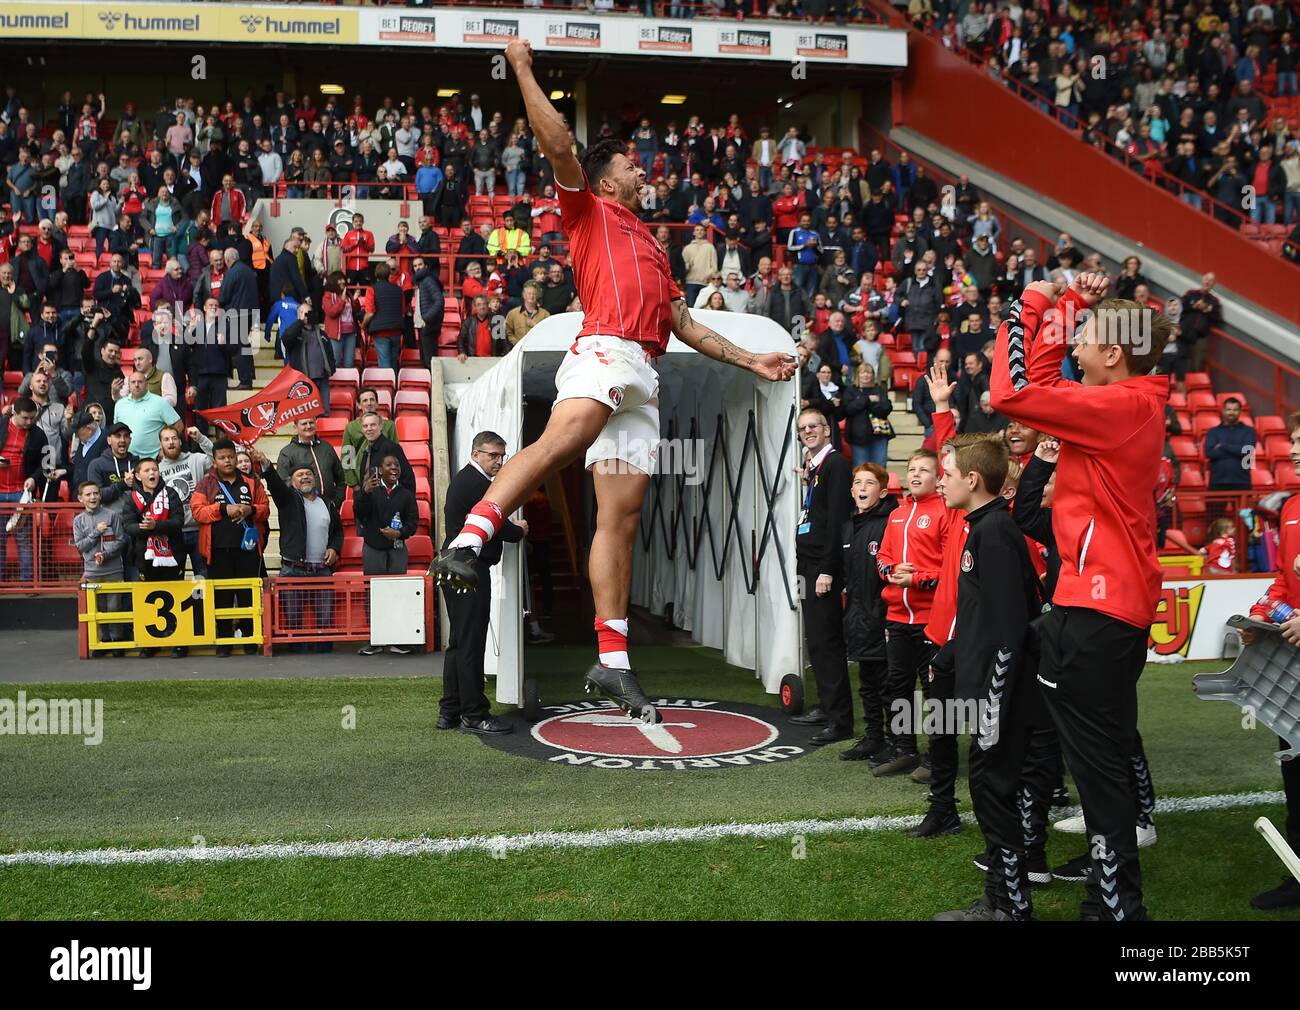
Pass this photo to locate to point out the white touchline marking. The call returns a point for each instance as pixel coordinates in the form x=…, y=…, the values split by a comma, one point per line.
x=375, y=848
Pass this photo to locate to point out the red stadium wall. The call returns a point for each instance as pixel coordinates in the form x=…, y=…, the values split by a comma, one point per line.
x=950, y=101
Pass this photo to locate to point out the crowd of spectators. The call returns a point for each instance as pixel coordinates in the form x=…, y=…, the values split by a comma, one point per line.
x=1200, y=97
x=868, y=266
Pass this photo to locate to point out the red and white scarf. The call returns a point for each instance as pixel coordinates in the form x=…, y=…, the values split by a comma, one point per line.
x=157, y=549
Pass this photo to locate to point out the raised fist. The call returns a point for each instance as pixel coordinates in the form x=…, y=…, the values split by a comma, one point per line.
x=519, y=54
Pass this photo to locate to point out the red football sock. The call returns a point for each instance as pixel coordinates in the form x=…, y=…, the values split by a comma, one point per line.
x=481, y=524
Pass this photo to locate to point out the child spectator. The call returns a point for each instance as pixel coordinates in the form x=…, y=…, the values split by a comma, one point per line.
x=864, y=611
x=101, y=538
x=1221, y=552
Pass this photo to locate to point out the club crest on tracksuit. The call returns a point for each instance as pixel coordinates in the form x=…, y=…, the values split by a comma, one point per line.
x=923, y=523
x=967, y=562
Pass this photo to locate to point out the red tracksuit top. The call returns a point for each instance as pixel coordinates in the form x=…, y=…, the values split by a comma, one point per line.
x=1112, y=438
x=943, y=609
x=1286, y=587
x=916, y=533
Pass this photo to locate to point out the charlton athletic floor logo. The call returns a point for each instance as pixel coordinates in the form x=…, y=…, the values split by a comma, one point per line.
x=693, y=735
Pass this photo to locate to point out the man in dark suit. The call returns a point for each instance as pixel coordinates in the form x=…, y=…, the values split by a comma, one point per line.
x=463, y=702
x=239, y=295
x=285, y=272
x=818, y=553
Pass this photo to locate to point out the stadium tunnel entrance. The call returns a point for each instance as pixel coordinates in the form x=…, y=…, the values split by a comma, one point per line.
x=714, y=554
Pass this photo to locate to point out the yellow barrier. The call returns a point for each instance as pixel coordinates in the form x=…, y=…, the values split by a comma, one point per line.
x=1193, y=562
x=167, y=614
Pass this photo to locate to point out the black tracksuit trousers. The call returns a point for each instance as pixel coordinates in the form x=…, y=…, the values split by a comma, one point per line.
x=997, y=760
x=937, y=685
x=872, y=674
x=1088, y=674
x=908, y=653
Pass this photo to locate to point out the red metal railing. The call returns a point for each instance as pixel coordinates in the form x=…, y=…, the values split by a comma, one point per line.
x=38, y=554
x=330, y=609
x=1267, y=382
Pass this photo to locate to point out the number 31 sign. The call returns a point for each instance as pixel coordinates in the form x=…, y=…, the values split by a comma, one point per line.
x=172, y=613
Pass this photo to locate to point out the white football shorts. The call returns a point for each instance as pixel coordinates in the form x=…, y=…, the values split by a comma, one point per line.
x=620, y=374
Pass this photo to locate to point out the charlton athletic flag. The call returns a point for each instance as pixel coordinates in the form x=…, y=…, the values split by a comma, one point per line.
x=288, y=397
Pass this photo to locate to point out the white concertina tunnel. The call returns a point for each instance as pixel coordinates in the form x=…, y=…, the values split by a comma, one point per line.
x=716, y=542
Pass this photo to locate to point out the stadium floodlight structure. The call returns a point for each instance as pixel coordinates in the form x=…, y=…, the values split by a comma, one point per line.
x=716, y=544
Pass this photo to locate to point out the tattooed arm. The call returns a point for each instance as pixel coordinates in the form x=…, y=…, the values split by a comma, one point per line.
x=774, y=365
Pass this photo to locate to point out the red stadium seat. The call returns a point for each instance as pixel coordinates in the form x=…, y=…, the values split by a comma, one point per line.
x=418, y=455
x=1202, y=400
x=1184, y=420
x=1271, y=424
x=380, y=379
x=1191, y=478
x=1276, y=448
x=347, y=511
x=1203, y=422
x=1221, y=397
x=1197, y=381
x=411, y=428
x=1177, y=400
x=413, y=401
x=422, y=492
x=351, y=560
x=1285, y=476
x=1262, y=480
x=342, y=403
x=345, y=378
x=331, y=428
x=1184, y=447
x=419, y=552
x=414, y=378
x=425, y=511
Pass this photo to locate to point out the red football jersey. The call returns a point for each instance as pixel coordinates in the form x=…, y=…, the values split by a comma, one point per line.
x=620, y=270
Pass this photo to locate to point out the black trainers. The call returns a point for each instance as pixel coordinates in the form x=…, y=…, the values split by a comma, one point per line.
x=622, y=688
x=864, y=750
x=455, y=569
x=491, y=726
x=1075, y=870
x=899, y=763
x=1285, y=895
x=937, y=822
x=1061, y=797
x=982, y=862
x=882, y=756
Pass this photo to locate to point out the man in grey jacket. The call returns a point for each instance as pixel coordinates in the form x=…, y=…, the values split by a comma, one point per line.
x=920, y=300
x=181, y=471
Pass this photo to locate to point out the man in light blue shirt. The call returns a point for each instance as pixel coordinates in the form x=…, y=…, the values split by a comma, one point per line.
x=145, y=413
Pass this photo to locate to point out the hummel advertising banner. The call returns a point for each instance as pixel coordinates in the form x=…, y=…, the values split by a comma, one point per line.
x=453, y=27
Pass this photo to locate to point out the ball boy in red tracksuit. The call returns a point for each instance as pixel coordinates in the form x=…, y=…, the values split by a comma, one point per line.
x=1094, y=641
x=909, y=558
x=1285, y=590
